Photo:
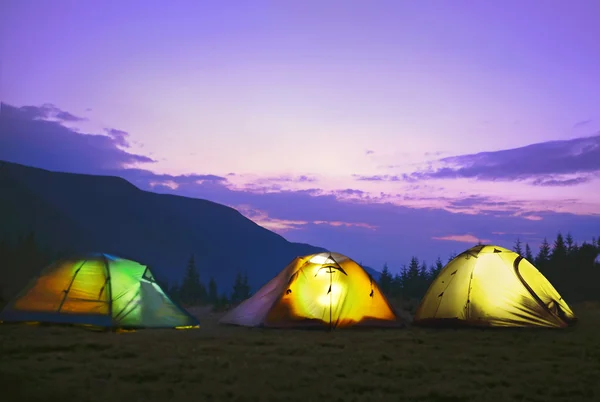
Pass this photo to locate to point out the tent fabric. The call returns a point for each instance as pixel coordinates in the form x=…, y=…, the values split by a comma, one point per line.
x=319, y=290
x=98, y=290
x=492, y=286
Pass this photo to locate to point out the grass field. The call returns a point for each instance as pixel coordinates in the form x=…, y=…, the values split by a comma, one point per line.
x=217, y=363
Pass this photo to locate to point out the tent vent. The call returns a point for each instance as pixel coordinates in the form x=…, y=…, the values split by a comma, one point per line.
x=497, y=251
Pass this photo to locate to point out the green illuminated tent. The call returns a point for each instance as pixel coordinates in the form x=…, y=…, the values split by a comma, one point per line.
x=98, y=290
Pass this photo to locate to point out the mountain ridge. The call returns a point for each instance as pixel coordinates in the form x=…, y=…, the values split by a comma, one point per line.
x=85, y=212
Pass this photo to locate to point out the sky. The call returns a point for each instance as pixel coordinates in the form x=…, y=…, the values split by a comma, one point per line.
x=378, y=129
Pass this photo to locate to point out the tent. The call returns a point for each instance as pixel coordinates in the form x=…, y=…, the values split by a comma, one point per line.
x=493, y=287
x=97, y=290
x=326, y=290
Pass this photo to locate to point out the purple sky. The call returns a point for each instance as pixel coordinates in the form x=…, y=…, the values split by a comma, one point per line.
x=380, y=129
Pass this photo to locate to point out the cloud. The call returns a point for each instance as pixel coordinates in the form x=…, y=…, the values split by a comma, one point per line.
x=289, y=179
x=560, y=182
x=48, y=112
x=119, y=136
x=369, y=152
x=350, y=192
x=543, y=164
x=583, y=123
x=28, y=137
x=467, y=238
x=377, y=178
x=352, y=221
x=281, y=226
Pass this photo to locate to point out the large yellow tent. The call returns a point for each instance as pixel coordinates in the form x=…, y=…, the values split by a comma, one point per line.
x=493, y=286
x=324, y=290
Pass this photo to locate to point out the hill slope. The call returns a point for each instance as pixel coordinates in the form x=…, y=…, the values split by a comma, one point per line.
x=79, y=212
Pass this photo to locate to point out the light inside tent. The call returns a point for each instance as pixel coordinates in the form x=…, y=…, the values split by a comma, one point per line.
x=320, y=259
x=332, y=297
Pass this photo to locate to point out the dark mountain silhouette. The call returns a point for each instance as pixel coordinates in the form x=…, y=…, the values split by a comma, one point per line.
x=77, y=212
x=81, y=213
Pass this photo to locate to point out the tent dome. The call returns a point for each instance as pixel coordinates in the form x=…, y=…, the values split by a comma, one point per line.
x=492, y=286
x=318, y=290
x=100, y=290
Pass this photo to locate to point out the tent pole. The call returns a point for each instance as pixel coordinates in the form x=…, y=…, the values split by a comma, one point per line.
x=330, y=297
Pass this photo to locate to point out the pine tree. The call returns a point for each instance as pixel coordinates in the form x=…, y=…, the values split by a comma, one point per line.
x=437, y=268
x=213, y=295
x=191, y=290
x=543, y=257
x=245, y=288
x=411, y=283
x=517, y=248
x=241, y=289
x=402, y=280
x=559, y=251
x=237, y=285
x=571, y=245
x=529, y=254
x=452, y=256
x=396, y=286
x=385, y=280
x=423, y=282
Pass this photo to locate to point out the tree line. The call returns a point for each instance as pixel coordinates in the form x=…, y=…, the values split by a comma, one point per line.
x=23, y=257
x=193, y=292
x=570, y=267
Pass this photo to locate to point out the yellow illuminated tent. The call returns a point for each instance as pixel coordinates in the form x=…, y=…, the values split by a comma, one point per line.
x=492, y=286
x=321, y=290
x=97, y=290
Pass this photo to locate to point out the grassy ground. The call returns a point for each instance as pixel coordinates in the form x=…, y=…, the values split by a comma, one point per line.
x=218, y=363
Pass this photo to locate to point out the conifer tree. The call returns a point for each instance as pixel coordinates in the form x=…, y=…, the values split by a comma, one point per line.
x=529, y=254
x=559, y=251
x=385, y=280
x=245, y=288
x=517, y=248
x=191, y=291
x=213, y=295
x=543, y=256
x=396, y=286
x=437, y=268
x=571, y=245
x=452, y=256
x=241, y=289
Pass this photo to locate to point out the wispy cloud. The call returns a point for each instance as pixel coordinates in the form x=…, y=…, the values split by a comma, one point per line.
x=47, y=112
x=281, y=226
x=582, y=123
x=379, y=178
x=465, y=238
x=543, y=164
